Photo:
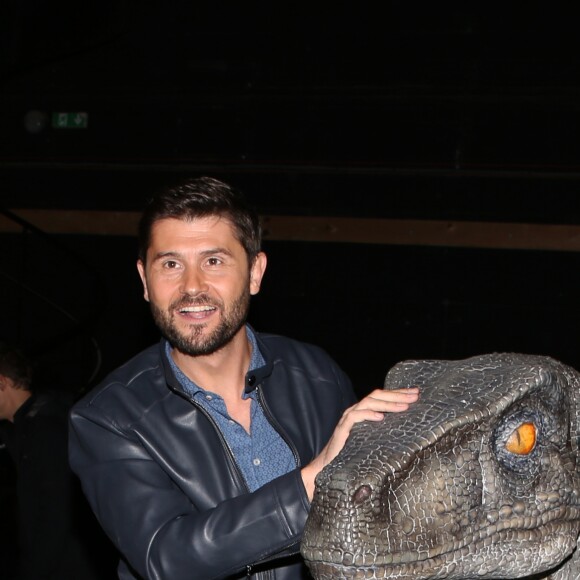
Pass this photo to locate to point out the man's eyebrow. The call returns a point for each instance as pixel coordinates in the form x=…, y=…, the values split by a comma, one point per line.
x=203, y=253
x=168, y=254
x=216, y=250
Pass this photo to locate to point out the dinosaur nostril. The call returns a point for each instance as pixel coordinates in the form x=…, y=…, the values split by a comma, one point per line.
x=362, y=494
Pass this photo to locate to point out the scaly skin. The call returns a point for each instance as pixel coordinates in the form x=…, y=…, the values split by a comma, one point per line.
x=479, y=479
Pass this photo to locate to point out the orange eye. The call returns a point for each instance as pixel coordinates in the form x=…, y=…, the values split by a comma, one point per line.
x=522, y=440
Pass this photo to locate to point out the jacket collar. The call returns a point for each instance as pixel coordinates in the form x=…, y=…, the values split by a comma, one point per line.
x=25, y=408
x=256, y=376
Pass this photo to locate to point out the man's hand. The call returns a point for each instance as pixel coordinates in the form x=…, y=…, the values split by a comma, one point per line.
x=372, y=408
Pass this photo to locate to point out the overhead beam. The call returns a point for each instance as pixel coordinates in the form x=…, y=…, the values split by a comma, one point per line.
x=463, y=234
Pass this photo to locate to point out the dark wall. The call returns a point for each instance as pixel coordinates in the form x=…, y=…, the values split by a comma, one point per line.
x=368, y=305
x=372, y=306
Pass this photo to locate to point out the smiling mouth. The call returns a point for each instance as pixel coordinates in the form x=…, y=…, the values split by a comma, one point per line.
x=199, y=313
x=196, y=309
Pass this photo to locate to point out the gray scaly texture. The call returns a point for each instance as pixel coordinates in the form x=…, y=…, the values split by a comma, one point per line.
x=479, y=479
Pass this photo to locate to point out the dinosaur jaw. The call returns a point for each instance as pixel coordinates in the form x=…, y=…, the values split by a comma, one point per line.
x=511, y=554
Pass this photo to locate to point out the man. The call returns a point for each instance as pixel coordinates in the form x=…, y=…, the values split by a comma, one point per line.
x=33, y=427
x=199, y=455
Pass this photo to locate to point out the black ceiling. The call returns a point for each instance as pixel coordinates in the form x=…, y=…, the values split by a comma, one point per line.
x=428, y=105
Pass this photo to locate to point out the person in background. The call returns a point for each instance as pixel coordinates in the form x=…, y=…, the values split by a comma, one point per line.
x=33, y=427
x=199, y=455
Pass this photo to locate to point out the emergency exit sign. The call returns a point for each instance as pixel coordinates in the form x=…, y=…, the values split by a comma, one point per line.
x=70, y=120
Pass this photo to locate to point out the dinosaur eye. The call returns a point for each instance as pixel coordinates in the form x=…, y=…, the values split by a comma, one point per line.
x=523, y=440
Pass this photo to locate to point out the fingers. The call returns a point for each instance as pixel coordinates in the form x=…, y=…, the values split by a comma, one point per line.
x=372, y=408
x=381, y=401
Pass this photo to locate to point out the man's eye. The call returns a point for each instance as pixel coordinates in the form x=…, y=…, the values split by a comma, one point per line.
x=213, y=262
x=170, y=264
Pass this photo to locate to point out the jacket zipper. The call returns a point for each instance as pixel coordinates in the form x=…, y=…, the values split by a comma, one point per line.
x=276, y=425
x=291, y=446
x=241, y=480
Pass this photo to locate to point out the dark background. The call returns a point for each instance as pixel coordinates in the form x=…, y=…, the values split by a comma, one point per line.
x=398, y=110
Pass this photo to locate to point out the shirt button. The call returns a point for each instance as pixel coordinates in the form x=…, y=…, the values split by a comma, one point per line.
x=257, y=462
x=209, y=397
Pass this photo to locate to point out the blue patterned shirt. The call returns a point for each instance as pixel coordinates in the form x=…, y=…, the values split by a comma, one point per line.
x=262, y=455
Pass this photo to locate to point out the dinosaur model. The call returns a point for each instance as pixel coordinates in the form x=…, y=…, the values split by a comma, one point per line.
x=478, y=479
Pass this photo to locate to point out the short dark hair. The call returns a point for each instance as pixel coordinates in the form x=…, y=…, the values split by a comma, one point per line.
x=202, y=197
x=15, y=366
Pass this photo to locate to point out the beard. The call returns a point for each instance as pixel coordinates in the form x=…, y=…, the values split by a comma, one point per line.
x=194, y=342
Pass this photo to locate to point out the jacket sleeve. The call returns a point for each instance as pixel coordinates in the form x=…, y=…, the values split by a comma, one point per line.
x=154, y=524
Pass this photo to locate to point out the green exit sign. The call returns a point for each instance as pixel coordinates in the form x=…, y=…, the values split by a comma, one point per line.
x=70, y=120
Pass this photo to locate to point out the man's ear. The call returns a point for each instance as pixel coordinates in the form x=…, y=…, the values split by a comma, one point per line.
x=257, y=272
x=5, y=382
x=141, y=270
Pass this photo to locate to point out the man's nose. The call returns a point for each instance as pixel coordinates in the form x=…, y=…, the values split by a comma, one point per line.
x=193, y=281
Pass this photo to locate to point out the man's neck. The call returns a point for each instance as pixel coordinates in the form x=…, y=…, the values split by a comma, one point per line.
x=222, y=372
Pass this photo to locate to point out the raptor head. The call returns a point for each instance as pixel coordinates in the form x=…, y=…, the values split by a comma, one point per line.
x=479, y=479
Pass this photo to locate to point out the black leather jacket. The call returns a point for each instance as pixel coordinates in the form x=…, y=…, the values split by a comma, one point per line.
x=163, y=482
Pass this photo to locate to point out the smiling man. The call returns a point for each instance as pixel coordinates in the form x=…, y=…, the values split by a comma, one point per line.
x=199, y=455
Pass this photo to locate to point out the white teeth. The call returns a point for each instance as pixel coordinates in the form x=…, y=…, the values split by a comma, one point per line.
x=197, y=309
